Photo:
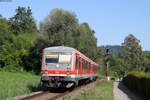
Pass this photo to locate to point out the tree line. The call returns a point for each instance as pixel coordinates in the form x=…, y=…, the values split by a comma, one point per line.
x=129, y=57
x=22, y=42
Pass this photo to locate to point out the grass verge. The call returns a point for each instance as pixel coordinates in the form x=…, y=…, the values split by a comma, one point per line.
x=17, y=83
x=102, y=91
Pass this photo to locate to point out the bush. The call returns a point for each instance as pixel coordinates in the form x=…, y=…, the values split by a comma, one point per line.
x=138, y=82
x=147, y=69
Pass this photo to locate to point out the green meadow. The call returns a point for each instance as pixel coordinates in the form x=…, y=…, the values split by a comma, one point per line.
x=17, y=83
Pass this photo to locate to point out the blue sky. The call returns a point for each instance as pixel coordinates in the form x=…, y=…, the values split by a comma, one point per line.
x=112, y=20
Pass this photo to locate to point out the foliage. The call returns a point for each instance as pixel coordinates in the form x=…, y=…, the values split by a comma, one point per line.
x=21, y=44
x=58, y=27
x=133, y=55
x=87, y=41
x=117, y=66
x=5, y=35
x=4, y=31
x=139, y=82
x=22, y=21
x=147, y=61
x=11, y=85
x=147, y=54
x=15, y=44
x=61, y=27
x=12, y=54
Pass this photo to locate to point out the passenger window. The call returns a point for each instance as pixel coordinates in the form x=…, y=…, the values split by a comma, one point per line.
x=94, y=68
x=85, y=64
x=77, y=62
x=88, y=65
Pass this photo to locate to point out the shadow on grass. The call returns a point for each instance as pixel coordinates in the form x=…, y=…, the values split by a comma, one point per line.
x=130, y=95
x=37, y=88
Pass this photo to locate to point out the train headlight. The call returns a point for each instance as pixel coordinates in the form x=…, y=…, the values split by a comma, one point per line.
x=68, y=73
x=44, y=73
x=57, y=65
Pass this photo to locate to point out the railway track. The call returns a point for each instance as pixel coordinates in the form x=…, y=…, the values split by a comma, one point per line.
x=50, y=95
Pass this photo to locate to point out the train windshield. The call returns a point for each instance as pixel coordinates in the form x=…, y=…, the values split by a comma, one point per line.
x=58, y=57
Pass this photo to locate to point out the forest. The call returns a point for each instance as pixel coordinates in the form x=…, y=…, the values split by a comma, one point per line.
x=22, y=42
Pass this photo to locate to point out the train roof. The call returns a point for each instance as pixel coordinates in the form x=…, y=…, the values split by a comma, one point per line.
x=65, y=48
x=60, y=48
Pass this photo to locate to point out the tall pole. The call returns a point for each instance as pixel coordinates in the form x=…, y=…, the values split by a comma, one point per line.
x=107, y=68
x=107, y=64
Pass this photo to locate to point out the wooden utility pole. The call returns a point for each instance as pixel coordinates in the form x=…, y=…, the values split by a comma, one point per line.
x=107, y=64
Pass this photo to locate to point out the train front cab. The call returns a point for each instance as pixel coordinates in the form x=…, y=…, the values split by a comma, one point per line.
x=55, y=73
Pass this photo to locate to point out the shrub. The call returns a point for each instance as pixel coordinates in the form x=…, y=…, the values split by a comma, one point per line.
x=147, y=69
x=138, y=82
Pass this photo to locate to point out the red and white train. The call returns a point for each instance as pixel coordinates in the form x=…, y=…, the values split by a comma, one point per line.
x=65, y=66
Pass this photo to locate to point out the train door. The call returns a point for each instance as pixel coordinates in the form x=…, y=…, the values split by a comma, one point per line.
x=77, y=64
x=87, y=68
x=84, y=66
x=80, y=65
x=91, y=68
x=88, y=71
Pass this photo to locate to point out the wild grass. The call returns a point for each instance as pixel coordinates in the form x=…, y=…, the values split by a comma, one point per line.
x=102, y=91
x=17, y=83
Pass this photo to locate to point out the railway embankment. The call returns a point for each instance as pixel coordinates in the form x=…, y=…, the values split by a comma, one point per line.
x=101, y=90
x=92, y=91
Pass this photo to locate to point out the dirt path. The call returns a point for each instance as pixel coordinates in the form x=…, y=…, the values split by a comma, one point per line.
x=122, y=93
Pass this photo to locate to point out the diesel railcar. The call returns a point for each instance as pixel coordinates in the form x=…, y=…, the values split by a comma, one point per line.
x=65, y=67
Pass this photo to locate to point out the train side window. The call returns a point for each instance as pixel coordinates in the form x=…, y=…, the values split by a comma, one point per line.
x=88, y=65
x=80, y=62
x=85, y=64
x=95, y=68
x=92, y=67
x=77, y=62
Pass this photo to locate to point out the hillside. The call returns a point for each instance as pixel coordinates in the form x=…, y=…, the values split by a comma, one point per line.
x=113, y=49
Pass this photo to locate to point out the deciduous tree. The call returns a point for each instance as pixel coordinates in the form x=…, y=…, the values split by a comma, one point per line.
x=23, y=21
x=133, y=55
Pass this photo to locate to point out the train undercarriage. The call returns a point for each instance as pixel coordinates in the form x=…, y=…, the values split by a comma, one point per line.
x=64, y=82
x=58, y=82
